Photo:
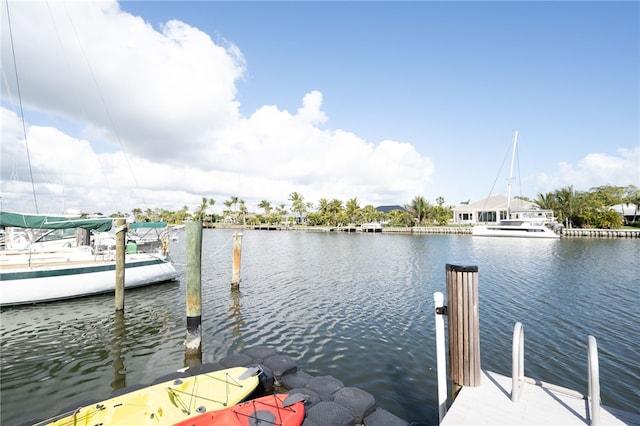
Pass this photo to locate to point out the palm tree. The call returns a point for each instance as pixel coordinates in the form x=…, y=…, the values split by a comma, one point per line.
x=234, y=202
x=335, y=206
x=323, y=205
x=369, y=213
x=228, y=211
x=243, y=211
x=264, y=204
x=336, y=212
x=419, y=209
x=399, y=217
x=352, y=209
x=182, y=214
x=297, y=205
x=137, y=212
x=281, y=211
x=441, y=214
x=200, y=211
x=211, y=202
x=566, y=203
x=546, y=201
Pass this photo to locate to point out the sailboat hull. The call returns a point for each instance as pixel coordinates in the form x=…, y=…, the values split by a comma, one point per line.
x=33, y=278
x=524, y=231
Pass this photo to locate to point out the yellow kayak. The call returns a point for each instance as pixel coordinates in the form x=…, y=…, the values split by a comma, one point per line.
x=168, y=402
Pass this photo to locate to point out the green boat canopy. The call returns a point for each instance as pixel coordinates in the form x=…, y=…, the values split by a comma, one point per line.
x=33, y=221
x=136, y=225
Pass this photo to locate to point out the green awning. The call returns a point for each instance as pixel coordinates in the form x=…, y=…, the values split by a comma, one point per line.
x=136, y=225
x=33, y=221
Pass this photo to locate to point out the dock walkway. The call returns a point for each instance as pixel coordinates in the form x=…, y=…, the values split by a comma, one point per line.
x=540, y=404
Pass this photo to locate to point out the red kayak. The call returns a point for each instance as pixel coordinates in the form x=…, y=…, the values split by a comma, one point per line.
x=271, y=410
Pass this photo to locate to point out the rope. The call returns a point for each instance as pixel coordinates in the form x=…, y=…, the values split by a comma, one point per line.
x=221, y=247
x=186, y=407
x=24, y=128
x=214, y=253
x=504, y=159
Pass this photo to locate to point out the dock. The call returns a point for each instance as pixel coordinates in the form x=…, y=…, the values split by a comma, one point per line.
x=540, y=404
x=481, y=397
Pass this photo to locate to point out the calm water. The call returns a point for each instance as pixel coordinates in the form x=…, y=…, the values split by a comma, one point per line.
x=358, y=307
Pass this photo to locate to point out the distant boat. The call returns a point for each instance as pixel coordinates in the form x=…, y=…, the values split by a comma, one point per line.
x=39, y=272
x=515, y=228
x=524, y=223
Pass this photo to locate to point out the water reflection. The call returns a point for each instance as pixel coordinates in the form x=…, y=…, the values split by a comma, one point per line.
x=193, y=357
x=235, y=318
x=119, y=334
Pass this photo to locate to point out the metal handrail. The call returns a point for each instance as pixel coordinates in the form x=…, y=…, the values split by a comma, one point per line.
x=594, y=380
x=517, y=363
x=518, y=379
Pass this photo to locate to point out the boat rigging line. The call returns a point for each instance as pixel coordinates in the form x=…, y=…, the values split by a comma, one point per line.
x=24, y=127
x=104, y=105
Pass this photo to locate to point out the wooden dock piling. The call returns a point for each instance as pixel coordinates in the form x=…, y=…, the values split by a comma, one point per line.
x=464, y=326
x=193, y=241
x=237, y=252
x=121, y=231
x=118, y=336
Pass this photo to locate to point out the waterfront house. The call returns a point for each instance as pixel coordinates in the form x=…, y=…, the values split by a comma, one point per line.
x=628, y=211
x=495, y=209
x=387, y=209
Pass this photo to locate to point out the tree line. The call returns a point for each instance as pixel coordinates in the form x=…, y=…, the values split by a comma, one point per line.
x=575, y=209
x=326, y=212
x=591, y=209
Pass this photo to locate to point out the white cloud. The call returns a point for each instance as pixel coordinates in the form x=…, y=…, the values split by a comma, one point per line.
x=594, y=170
x=168, y=98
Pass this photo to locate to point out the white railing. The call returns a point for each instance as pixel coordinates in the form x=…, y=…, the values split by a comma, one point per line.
x=441, y=362
x=518, y=378
x=594, y=380
x=517, y=363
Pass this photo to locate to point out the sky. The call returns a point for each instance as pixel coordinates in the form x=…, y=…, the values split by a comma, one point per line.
x=110, y=106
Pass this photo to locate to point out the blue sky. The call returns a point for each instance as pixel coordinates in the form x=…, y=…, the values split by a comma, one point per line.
x=446, y=83
x=413, y=71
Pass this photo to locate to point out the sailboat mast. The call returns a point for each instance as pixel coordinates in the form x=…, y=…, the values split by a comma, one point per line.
x=513, y=158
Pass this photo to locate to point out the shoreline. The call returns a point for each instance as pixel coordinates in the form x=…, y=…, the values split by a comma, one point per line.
x=461, y=230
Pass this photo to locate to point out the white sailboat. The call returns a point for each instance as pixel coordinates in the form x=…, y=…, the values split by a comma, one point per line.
x=40, y=260
x=530, y=223
x=35, y=273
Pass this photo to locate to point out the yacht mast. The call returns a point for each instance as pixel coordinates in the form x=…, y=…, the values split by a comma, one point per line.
x=513, y=157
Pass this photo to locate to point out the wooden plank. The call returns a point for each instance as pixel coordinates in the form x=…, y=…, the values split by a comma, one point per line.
x=464, y=325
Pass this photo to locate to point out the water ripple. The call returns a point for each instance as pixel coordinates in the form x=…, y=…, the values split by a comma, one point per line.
x=357, y=307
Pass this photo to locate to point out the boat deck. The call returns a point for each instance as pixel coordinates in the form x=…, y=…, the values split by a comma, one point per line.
x=540, y=404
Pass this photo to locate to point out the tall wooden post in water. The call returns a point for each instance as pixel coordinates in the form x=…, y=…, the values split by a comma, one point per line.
x=237, y=252
x=118, y=336
x=464, y=326
x=121, y=231
x=193, y=343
